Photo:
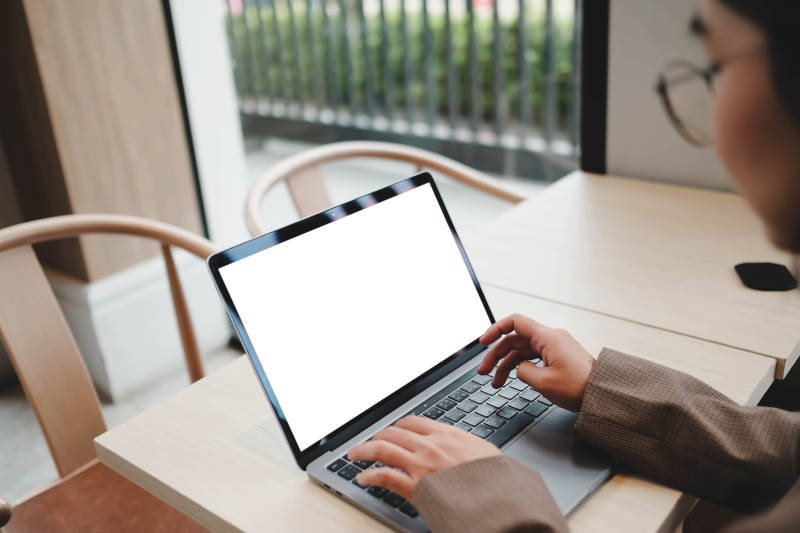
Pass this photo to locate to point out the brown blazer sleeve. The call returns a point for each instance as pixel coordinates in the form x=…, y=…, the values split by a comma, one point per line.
x=488, y=495
x=684, y=433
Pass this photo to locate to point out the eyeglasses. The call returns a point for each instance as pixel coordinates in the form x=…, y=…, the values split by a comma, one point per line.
x=687, y=92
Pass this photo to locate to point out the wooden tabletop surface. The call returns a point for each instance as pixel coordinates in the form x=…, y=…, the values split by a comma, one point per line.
x=215, y=451
x=654, y=254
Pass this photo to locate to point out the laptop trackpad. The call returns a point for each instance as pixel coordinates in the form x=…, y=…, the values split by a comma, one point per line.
x=570, y=469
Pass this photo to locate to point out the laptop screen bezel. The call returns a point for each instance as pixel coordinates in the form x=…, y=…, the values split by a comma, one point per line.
x=374, y=413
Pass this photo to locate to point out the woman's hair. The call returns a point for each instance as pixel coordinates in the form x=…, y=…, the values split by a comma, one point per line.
x=780, y=22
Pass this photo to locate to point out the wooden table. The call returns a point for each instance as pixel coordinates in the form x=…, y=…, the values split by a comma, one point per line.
x=654, y=254
x=215, y=452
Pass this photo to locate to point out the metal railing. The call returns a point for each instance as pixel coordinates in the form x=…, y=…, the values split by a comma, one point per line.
x=493, y=83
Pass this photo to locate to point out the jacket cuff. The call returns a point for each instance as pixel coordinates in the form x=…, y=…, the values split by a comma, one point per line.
x=490, y=494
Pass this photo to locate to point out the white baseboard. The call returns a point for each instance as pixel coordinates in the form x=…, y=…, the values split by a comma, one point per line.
x=125, y=324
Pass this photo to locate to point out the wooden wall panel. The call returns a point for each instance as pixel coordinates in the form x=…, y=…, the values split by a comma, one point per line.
x=109, y=90
x=30, y=147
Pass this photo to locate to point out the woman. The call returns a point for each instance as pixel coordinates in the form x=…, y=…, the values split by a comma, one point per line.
x=666, y=424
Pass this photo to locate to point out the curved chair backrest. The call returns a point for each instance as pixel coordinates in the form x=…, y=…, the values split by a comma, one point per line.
x=40, y=344
x=304, y=180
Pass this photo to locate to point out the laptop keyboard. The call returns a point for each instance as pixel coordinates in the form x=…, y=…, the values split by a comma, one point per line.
x=472, y=404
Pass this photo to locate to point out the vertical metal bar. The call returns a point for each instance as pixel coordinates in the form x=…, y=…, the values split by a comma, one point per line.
x=315, y=73
x=256, y=60
x=297, y=78
x=524, y=76
x=549, y=77
x=368, y=72
x=333, y=88
x=281, y=61
x=432, y=95
x=388, y=73
x=348, y=59
x=474, y=92
x=262, y=38
x=249, y=61
x=237, y=58
x=407, y=74
x=499, y=83
x=575, y=114
x=452, y=90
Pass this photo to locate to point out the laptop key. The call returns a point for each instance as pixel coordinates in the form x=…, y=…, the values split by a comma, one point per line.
x=455, y=415
x=497, y=402
x=544, y=401
x=535, y=409
x=459, y=395
x=472, y=419
x=479, y=397
x=481, y=379
x=495, y=421
x=359, y=485
x=489, y=389
x=444, y=420
x=446, y=404
x=485, y=410
x=393, y=499
x=510, y=429
x=470, y=387
x=519, y=403
x=363, y=464
x=483, y=431
x=433, y=413
x=465, y=427
x=378, y=492
x=529, y=394
x=513, y=373
x=349, y=472
x=507, y=393
x=467, y=406
x=336, y=465
x=507, y=412
x=409, y=509
x=518, y=384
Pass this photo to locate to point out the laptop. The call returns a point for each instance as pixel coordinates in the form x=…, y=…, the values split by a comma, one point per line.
x=361, y=314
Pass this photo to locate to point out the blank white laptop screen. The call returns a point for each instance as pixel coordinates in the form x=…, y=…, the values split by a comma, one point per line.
x=346, y=314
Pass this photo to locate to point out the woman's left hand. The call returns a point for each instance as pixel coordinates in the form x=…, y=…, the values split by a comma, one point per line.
x=414, y=447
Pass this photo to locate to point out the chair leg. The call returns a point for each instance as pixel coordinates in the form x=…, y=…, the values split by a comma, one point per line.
x=188, y=338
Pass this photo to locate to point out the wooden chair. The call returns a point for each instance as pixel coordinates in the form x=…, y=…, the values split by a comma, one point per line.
x=304, y=180
x=87, y=496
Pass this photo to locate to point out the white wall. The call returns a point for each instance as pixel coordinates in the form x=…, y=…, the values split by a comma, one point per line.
x=643, y=36
x=213, y=113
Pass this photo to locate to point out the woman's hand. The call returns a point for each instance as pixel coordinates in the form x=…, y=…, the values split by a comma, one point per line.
x=417, y=446
x=567, y=365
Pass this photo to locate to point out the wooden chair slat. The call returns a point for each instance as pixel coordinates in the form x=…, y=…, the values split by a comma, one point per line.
x=188, y=338
x=46, y=358
x=308, y=192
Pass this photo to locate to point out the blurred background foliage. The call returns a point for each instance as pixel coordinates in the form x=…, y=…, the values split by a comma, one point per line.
x=272, y=45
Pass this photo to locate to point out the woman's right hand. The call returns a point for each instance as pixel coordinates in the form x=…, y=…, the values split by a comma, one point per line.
x=567, y=365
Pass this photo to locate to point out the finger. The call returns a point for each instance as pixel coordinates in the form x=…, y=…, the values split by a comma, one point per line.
x=516, y=322
x=407, y=439
x=385, y=452
x=540, y=378
x=501, y=349
x=508, y=364
x=420, y=424
x=388, y=478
